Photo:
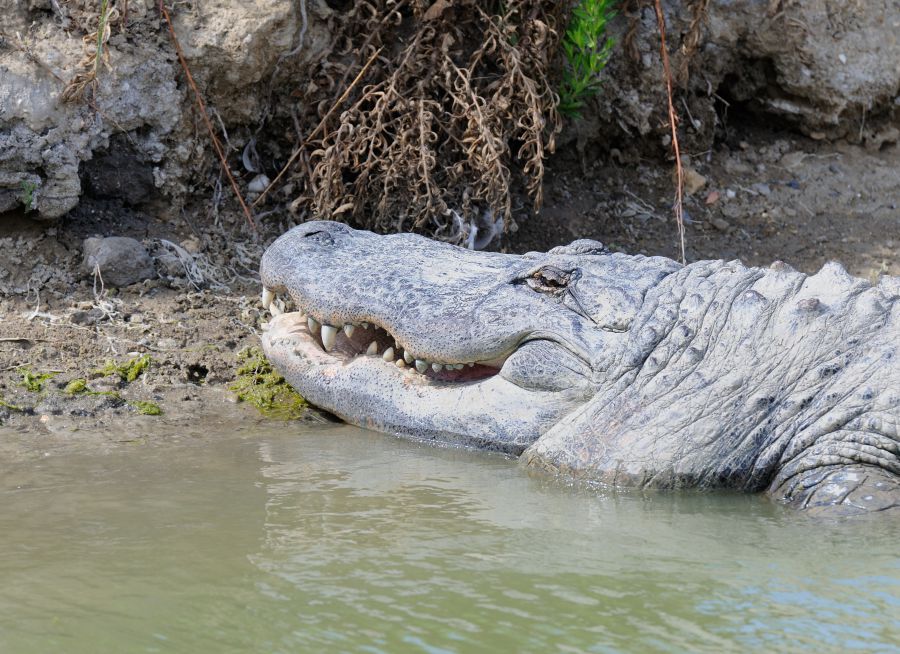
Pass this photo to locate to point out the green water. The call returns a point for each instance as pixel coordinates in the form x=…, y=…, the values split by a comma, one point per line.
x=340, y=540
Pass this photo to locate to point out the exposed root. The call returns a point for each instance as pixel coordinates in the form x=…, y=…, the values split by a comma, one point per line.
x=678, y=206
x=197, y=269
x=201, y=107
x=691, y=41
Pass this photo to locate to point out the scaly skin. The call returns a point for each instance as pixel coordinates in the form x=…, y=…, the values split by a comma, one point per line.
x=626, y=370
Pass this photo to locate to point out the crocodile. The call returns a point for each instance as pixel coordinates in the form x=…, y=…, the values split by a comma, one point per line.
x=619, y=370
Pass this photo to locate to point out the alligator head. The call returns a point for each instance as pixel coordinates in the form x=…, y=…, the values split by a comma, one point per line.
x=410, y=336
x=624, y=369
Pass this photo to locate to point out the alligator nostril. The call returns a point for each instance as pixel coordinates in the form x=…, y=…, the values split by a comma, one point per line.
x=321, y=237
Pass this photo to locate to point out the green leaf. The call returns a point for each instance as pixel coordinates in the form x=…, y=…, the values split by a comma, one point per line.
x=586, y=52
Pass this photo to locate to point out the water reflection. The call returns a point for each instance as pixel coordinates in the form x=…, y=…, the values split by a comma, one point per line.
x=344, y=540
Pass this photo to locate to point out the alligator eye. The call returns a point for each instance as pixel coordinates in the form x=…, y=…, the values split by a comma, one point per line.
x=550, y=280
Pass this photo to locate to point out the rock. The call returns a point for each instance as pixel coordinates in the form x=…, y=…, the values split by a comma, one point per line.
x=793, y=160
x=192, y=245
x=121, y=260
x=782, y=61
x=762, y=189
x=91, y=317
x=874, y=140
x=693, y=181
x=258, y=184
x=721, y=224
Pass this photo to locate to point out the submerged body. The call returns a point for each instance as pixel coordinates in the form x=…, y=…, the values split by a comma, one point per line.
x=627, y=370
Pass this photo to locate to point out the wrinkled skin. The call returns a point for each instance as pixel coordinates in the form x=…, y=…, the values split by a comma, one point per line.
x=626, y=370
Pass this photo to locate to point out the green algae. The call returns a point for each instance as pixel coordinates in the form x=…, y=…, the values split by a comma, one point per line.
x=259, y=384
x=11, y=407
x=128, y=371
x=76, y=386
x=34, y=381
x=145, y=408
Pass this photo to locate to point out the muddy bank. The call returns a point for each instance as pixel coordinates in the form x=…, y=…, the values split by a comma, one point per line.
x=768, y=196
x=788, y=130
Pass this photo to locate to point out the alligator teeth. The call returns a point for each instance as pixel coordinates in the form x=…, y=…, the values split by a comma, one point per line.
x=407, y=357
x=471, y=364
x=388, y=354
x=400, y=363
x=365, y=325
x=267, y=297
x=349, y=329
x=313, y=325
x=275, y=310
x=437, y=367
x=421, y=366
x=373, y=348
x=329, y=333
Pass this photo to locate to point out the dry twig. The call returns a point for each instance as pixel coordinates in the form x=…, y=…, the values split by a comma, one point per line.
x=318, y=128
x=201, y=107
x=673, y=125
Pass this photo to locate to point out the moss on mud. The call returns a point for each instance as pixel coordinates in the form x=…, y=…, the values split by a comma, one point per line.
x=34, y=381
x=75, y=387
x=128, y=371
x=259, y=384
x=144, y=407
x=11, y=407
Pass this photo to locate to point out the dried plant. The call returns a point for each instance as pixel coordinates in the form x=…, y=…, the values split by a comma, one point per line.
x=95, y=53
x=457, y=107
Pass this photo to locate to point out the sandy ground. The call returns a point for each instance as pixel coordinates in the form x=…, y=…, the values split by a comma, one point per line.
x=759, y=197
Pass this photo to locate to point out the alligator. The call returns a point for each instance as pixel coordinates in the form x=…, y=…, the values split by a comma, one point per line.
x=619, y=370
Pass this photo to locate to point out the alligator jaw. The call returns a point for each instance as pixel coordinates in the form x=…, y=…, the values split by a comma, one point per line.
x=331, y=345
x=473, y=406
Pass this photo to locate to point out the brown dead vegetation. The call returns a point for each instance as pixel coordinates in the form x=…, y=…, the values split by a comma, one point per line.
x=457, y=106
x=94, y=43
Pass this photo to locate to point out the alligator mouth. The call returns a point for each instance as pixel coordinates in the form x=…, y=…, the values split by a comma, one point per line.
x=352, y=341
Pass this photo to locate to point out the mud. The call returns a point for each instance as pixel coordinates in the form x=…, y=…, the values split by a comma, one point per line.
x=762, y=196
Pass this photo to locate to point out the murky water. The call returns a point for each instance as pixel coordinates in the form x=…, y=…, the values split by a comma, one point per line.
x=342, y=540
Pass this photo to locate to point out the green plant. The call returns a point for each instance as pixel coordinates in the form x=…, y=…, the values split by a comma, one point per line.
x=75, y=387
x=146, y=408
x=34, y=381
x=27, y=197
x=102, y=34
x=587, y=51
x=11, y=407
x=128, y=371
x=259, y=384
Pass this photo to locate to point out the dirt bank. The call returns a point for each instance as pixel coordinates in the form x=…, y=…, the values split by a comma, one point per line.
x=788, y=129
x=769, y=196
